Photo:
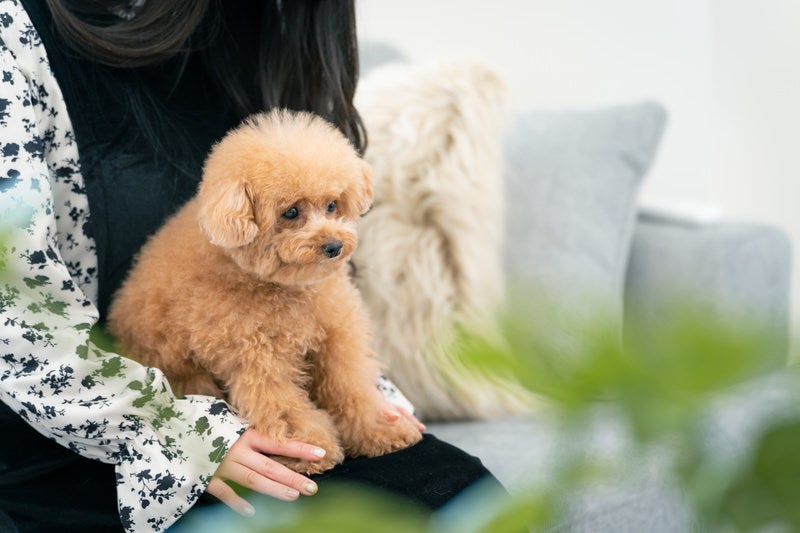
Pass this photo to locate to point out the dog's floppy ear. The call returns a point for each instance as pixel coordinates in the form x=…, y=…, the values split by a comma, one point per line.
x=226, y=213
x=359, y=196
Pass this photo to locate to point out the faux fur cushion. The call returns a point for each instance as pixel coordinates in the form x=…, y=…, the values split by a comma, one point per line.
x=429, y=262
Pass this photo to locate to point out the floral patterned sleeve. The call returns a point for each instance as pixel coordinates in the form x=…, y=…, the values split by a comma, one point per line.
x=95, y=402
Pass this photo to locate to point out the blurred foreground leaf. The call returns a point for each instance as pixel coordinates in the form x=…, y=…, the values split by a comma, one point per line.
x=662, y=382
x=767, y=493
x=659, y=385
x=338, y=508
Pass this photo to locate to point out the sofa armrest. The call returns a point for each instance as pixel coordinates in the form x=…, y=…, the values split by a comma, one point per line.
x=728, y=271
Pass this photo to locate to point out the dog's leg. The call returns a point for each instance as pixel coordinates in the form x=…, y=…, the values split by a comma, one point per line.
x=345, y=379
x=198, y=382
x=267, y=391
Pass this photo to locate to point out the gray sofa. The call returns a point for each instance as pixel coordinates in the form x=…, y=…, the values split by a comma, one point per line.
x=573, y=226
x=731, y=270
x=734, y=267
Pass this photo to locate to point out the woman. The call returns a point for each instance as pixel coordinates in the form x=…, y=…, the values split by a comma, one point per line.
x=106, y=113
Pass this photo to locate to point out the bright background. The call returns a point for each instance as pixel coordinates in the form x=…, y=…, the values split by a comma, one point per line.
x=728, y=72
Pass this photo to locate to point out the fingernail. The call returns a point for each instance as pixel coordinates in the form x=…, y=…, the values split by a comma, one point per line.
x=310, y=488
x=319, y=452
x=292, y=493
x=248, y=511
x=392, y=415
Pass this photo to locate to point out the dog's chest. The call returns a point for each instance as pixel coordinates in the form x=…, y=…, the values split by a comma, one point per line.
x=289, y=323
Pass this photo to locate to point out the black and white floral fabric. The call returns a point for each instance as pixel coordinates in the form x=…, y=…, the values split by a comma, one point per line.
x=97, y=403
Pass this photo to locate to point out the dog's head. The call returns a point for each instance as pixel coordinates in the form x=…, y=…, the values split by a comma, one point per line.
x=282, y=194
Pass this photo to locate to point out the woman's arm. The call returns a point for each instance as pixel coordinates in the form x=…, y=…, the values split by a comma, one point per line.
x=97, y=403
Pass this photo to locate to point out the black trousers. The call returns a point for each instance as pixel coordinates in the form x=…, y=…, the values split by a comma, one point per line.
x=46, y=488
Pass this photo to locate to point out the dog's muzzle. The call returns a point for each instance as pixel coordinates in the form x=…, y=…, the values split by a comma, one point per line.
x=332, y=248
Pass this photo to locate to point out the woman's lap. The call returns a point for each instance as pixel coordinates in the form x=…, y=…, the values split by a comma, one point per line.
x=422, y=478
x=429, y=473
x=45, y=487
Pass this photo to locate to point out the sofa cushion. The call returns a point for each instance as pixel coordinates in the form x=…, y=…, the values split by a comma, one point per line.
x=572, y=180
x=729, y=273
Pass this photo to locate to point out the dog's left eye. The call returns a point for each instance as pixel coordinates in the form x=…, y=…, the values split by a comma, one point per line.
x=331, y=207
x=291, y=213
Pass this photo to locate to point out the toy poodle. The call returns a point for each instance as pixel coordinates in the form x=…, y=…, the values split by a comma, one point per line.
x=244, y=293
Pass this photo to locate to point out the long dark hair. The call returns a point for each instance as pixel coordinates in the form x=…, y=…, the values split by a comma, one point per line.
x=297, y=54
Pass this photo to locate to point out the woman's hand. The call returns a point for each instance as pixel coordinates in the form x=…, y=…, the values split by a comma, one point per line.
x=394, y=412
x=246, y=465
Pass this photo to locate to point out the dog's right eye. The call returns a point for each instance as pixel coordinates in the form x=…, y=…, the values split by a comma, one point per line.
x=291, y=214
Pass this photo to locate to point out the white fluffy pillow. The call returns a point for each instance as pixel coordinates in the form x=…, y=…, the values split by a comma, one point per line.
x=429, y=262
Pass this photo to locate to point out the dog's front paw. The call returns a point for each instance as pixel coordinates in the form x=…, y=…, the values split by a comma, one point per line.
x=333, y=456
x=381, y=437
x=314, y=427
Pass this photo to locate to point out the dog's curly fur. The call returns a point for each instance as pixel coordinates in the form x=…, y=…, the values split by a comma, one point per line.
x=236, y=297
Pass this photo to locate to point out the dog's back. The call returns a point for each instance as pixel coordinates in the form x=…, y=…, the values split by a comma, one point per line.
x=150, y=314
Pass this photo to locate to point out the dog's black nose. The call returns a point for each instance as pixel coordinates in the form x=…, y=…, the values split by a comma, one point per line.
x=332, y=248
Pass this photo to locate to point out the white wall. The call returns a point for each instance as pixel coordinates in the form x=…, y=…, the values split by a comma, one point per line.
x=756, y=116
x=566, y=53
x=728, y=72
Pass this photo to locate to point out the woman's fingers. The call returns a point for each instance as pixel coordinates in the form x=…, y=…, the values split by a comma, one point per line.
x=254, y=480
x=272, y=470
x=297, y=450
x=224, y=493
x=411, y=418
x=395, y=412
x=246, y=465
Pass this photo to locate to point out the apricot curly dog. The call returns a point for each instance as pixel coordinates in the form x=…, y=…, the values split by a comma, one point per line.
x=244, y=293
